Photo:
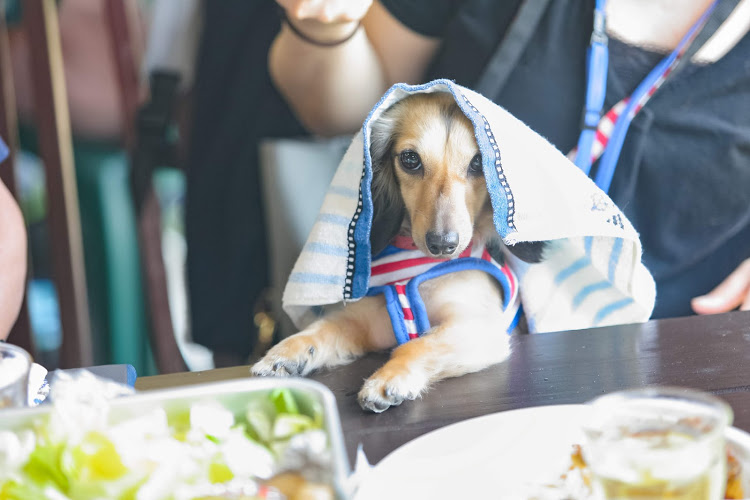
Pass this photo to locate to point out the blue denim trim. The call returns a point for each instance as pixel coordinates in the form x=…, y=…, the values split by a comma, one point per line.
x=501, y=195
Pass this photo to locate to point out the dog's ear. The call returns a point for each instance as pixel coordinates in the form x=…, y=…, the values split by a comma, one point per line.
x=388, y=206
x=494, y=248
x=529, y=251
x=386, y=222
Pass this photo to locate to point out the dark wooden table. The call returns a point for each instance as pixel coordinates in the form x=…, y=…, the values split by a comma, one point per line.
x=711, y=353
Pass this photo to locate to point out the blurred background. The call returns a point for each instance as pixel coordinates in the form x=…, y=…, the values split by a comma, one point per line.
x=111, y=108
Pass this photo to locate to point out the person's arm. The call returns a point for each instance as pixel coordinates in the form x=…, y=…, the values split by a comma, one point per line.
x=12, y=261
x=331, y=89
x=731, y=293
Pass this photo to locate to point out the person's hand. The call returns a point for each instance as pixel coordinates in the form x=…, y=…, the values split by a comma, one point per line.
x=326, y=11
x=734, y=291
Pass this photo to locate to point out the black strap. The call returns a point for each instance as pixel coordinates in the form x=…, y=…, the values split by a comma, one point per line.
x=720, y=14
x=511, y=47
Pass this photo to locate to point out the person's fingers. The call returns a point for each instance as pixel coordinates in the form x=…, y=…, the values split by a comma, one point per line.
x=731, y=293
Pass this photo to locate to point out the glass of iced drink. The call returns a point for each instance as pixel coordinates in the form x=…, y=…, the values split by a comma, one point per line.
x=657, y=443
x=15, y=364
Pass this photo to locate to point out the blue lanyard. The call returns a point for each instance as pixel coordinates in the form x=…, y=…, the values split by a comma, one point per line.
x=597, y=63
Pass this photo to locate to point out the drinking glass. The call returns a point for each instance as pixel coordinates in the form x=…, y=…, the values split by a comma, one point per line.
x=15, y=364
x=659, y=442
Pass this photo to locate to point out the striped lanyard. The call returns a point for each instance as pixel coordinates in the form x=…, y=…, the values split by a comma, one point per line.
x=603, y=136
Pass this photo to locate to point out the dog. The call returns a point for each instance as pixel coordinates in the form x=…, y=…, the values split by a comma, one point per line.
x=428, y=185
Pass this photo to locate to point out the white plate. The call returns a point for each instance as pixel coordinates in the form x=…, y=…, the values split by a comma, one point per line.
x=494, y=456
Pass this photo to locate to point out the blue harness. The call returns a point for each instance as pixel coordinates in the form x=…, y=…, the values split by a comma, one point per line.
x=398, y=272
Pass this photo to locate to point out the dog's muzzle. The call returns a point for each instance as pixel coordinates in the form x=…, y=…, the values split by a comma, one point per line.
x=441, y=243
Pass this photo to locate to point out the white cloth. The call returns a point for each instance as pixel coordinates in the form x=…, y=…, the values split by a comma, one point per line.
x=591, y=275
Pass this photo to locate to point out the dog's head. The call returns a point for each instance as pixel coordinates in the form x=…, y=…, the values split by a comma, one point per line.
x=427, y=173
x=428, y=178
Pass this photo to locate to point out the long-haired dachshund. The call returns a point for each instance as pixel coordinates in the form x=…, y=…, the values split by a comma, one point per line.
x=428, y=185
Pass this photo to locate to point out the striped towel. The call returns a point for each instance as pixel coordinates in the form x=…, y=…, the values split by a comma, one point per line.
x=592, y=273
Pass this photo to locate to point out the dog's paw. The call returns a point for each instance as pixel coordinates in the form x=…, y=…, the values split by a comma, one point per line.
x=389, y=387
x=291, y=357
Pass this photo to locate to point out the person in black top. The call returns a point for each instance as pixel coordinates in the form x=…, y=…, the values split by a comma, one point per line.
x=234, y=107
x=683, y=176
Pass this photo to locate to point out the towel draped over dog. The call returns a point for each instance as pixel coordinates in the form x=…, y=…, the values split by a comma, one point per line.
x=591, y=273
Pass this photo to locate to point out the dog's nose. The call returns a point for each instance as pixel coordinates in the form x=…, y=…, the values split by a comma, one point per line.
x=441, y=243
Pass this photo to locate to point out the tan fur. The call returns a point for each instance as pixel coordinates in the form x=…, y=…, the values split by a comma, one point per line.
x=464, y=308
x=445, y=196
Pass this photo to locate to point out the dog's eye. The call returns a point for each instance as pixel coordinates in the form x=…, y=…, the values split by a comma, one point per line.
x=475, y=167
x=410, y=160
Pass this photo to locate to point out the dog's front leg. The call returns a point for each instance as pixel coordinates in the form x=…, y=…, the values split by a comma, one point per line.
x=449, y=350
x=336, y=339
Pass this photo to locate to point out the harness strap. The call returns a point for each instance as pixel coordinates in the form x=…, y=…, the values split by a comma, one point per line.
x=452, y=266
x=401, y=299
x=395, y=311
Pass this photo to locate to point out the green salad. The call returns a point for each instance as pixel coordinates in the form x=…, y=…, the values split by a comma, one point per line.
x=204, y=451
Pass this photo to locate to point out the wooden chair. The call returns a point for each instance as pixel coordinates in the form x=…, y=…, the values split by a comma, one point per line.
x=55, y=149
x=21, y=332
x=145, y=130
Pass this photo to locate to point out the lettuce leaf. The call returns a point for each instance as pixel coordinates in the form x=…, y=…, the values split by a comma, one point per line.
x=45, y=466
